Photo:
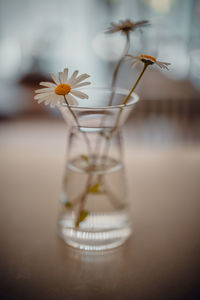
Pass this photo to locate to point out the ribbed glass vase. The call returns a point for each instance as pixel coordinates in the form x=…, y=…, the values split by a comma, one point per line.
x=94, y=209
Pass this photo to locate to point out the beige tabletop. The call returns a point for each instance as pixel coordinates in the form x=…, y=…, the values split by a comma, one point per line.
x=159, y=261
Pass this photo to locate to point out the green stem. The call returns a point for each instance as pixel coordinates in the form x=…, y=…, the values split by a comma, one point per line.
x=128, y=96
x=78, y=125
x=136, y=83
x=105, y=152
x=84, y=196
x=115, y=74
x=83, y=199
x=126, y=48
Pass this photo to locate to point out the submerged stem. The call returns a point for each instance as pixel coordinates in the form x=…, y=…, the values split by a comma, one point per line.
x=82, y=201
x=84, y=196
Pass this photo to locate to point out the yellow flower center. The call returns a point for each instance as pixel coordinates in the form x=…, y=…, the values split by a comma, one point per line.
x=63, y=89
x=148, y=57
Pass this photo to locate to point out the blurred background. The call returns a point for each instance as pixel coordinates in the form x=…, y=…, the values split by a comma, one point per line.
x=38, y=37
x=162, y=139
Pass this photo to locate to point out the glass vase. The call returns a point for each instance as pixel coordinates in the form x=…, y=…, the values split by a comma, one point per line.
x=94, y=209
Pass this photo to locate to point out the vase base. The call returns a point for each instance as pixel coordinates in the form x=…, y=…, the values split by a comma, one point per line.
x=97, y=233
x=93, y=244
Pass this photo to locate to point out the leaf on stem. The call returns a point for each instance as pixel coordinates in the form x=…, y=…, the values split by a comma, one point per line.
x=82, y=216
x=106, y=136
x=95, y=188
x=68, y=204
x=84, y=157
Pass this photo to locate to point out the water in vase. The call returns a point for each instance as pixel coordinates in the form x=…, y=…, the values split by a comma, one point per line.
x=100, y=193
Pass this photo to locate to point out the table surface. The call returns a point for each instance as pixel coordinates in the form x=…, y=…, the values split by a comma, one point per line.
x=159, y=261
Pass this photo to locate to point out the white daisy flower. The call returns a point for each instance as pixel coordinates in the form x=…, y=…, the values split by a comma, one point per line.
x=126, y=26
x=63, y=89
x=148, y=59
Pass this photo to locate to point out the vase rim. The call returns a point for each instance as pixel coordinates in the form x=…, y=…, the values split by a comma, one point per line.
x=134, y=97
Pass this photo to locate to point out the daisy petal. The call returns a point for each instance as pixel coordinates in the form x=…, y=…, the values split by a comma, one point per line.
x=81, y=84
x=79, y=79
x=161, y=65
x=47, y=101
x=128, y=59
x=61, y=99
x=135, y=64
x=71, y=100
x=61, y=76
x=44, y=90
x=42, y=95
x=165, y=67
x=73, y=76
x=165, y=63
x=65, y=75
x=79, y=94
x=57, y=99
x=132, y=56
x=53, y=102
x=55, y=79
x=47, y=94
x=42, y=99
x=48, y=84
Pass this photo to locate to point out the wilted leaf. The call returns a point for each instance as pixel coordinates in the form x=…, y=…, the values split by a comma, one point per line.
x=105, y=135
x=94, y=189
x=83, y=215
x=84, y=157
x=68, y=204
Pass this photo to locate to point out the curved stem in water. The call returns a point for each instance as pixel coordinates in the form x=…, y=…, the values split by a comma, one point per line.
x=82, y=201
